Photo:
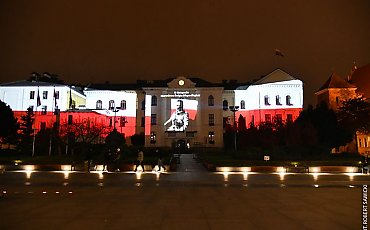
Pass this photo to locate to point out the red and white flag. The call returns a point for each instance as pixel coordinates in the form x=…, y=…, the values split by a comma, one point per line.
x=279, y=53
x=55, y=97
x=38, y=98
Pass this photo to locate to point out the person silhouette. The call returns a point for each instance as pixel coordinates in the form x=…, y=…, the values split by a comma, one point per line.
x=140, y=159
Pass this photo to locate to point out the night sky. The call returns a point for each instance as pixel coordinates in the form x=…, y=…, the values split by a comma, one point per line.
x=122, y=41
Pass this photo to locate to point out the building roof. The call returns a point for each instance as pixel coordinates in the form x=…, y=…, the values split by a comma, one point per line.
x=335, y=82
x=277, y=75
x=361, y=79
x=23, y=83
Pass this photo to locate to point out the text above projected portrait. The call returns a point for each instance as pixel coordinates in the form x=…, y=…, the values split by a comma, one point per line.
x=182, y=111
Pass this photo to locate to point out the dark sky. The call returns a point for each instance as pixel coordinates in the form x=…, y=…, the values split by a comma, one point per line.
x=121, y=41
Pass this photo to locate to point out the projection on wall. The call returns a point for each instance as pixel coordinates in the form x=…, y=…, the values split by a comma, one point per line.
x=182, y=111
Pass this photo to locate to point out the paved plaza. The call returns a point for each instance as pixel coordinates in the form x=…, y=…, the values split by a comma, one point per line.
x=191, y=198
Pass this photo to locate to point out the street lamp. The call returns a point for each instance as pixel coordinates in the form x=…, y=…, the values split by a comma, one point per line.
x=115, y=110
x=234, y=109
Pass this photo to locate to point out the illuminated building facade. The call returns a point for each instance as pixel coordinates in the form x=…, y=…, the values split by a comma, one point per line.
x=174, y=112
x=336, y=90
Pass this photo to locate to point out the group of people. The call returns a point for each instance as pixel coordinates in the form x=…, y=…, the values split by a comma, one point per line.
x=140, y=159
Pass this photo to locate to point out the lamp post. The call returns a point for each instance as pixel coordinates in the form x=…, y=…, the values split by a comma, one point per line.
x=234, y=109
x=115, y=110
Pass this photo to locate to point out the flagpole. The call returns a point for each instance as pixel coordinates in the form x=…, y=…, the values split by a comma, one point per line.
x=52, y=119
x=38, y=103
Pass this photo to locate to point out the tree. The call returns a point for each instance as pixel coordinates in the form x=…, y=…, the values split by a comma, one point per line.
x=354, y=115
x=82, y=133
x=138, y=139
x=114, y=140
x=26, y=131
x=320, y=126
x=8, y=124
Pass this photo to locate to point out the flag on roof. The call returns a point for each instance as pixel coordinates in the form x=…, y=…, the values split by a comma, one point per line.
x=55, y=97
x=279, y=53
x=38, y=98
x=70, y=97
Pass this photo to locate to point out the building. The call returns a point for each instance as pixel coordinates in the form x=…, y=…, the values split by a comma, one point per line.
x=179, y=111
x=336, y=90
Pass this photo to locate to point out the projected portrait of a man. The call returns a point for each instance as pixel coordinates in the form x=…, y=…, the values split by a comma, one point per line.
x=179, y=119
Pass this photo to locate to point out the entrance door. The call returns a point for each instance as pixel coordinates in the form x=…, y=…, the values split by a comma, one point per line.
x=181, y=147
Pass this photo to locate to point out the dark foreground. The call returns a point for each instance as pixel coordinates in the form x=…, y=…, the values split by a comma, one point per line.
x=181, y=200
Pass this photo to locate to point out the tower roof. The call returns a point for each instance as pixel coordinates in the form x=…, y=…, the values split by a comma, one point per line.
x=335, y=82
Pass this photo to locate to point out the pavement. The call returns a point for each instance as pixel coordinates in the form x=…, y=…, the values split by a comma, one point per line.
x=191, y=198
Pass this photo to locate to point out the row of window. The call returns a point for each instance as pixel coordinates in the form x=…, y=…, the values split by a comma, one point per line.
x=44, y=94
x=111, y=105
x=278, y=118
x=288, y=99
x=363, y=143
x=211, y=102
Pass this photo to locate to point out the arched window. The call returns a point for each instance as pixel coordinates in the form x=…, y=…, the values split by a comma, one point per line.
x=225, y=105
x=242, y=104
x=99, y=104
x=278, y=102
x=267, y=100
x=211, y=100
x=288, y=100
x=154, y=101
x=123, y=104
x=111, y=104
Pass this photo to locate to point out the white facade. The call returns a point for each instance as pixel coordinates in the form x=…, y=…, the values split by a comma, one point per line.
x=20, y=98
x=124, y=102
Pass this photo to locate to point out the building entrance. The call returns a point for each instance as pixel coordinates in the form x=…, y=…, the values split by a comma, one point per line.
x=182, y=147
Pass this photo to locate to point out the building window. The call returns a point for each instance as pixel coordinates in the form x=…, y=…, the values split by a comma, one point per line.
x=278, y=100
x=211, y=100
x=289, y=118
x=143, y=105
x=365, y=143
x=123, y=105
x=45, y=95
x=70, y=119
x=267, y=117
x=288, y=100
x=111, y=104
x=267, y=100
x=153, y=119
x=142, y=121
x=359, y=142
x=43, y=125
x=99, y=104
x=225, y=105
x=211, y=119
x=43, y=111
x=32, y=95
x=56, y=94
x=123, y=122
x=242, y=104
x=337, y=99
x=153, y=137
x=279, y=118
x=211, y=137
x=154, y=101
x=190, y=134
